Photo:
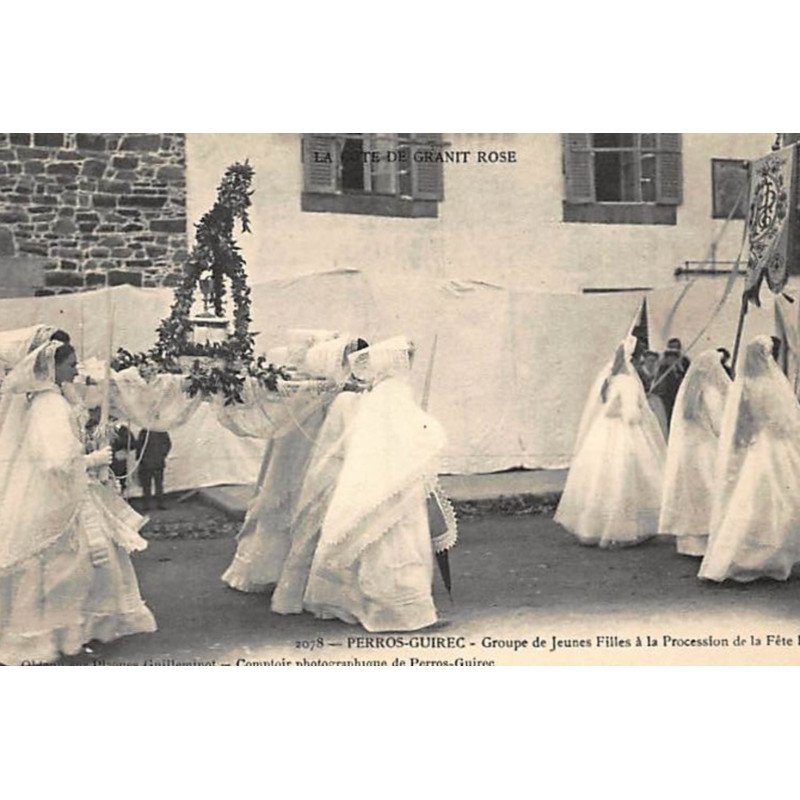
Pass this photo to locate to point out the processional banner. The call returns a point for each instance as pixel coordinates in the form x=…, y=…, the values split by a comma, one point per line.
x=773, y=221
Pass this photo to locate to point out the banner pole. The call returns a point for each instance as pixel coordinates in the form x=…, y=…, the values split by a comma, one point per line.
x=739, y=329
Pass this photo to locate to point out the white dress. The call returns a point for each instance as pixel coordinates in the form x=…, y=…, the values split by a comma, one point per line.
x=613, y=491
x=325, y=465
x=691, y=455
x=374, y=561
x=266, y=535
x=65, y=577
x=755, y=527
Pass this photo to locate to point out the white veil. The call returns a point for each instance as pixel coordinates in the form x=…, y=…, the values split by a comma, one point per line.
x=701, y=397
x=760, y=398
x=16, y=344
x=42, y=475
x=620, y=364
x=696, y=423
x=393, y=445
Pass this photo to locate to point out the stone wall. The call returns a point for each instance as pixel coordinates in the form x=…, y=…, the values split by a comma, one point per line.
x=94, y=209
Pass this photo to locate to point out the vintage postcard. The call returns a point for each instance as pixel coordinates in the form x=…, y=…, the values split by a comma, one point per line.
x=399, y=399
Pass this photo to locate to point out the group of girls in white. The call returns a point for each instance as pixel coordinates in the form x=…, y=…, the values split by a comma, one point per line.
x=727, y=484
x=340, y=525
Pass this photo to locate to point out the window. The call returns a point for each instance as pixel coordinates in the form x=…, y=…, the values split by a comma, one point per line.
x=730, y=187
x=623, y=178
x=385, y=174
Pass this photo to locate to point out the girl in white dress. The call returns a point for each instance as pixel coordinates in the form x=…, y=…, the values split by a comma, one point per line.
x=693, y=443
x=755, y=522
x=373, y=564
x=266, y=536
x=65, y=574
x=613, y=492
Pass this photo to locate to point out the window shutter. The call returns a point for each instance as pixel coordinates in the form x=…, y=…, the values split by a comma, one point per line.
x=427, y=180
x=320, y=163
x=669, y=173
x=578, y=167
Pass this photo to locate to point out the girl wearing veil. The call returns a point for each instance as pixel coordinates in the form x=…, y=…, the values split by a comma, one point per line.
x=755, y=521
x=65, y=574
x=16, y=344
x=691, y=454
x=373, y=564
x=613, y=491
x=266, y=535
x=317, y=486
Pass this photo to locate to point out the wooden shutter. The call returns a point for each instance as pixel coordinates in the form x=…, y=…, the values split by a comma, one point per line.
x=578, y=167
x=669, y=171
x=320, y=163
x=427, y=178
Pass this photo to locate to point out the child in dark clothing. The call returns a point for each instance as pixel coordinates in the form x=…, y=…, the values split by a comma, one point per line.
x=152, y=448
x=121, y=443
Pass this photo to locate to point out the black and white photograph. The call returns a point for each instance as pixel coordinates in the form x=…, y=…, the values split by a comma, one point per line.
x=399, y=399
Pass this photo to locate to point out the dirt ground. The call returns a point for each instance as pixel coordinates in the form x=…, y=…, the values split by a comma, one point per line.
x=508, y=571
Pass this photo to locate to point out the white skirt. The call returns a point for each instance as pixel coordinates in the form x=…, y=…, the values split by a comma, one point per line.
x=389, y=587
x=70, y=594
x=689, y=495
x=613, y=492
x=759, y=532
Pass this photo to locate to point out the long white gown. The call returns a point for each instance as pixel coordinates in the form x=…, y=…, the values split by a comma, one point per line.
x=691, y=455
x=65, y=574
x=265, y=539
x=266, y=534
x=755, y=524
x=612, y=495
x=323, y=472
x=373, y=563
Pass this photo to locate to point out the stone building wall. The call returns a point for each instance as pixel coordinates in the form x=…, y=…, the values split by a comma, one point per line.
x=94, y=209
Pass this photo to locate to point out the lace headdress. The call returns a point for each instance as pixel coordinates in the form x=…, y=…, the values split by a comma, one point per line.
x=325, y=359
x=34, y=373
x=391, y=357
x=16, y=344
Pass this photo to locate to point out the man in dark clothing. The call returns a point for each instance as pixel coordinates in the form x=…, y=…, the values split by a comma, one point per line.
x=671, y=372
x=647, y=368
x=152, y=448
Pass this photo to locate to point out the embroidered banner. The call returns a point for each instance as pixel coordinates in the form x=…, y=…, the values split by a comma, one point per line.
x=772, y=221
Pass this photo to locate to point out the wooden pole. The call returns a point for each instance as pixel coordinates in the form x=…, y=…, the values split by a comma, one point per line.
x=426, y=391
x=106, y=397
x=739, y=329
x=104, y=439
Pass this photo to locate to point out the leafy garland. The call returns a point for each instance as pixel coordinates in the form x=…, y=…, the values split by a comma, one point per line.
x=217, y=253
